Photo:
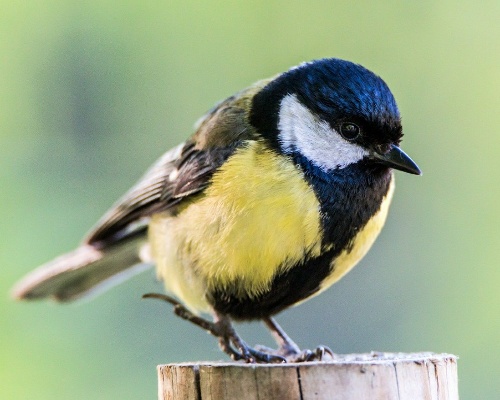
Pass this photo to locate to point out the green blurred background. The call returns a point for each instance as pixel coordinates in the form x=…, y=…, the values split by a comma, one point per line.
x=93, y=92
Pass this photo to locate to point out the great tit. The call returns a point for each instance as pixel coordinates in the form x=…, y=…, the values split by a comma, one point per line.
x=280, y=191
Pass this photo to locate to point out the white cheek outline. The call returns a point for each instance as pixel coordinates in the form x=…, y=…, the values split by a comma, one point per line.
x=302, y=131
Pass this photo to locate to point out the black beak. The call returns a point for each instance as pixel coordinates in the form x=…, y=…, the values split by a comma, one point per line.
x=397, y=159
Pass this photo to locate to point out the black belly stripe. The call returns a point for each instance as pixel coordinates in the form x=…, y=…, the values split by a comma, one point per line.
x=348, y=198
x=296, y=284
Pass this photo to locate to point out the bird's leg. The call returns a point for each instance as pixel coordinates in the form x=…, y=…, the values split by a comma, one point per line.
x=228, y=338
x=289, y=349
x=221, y=328
x=286, y=346
x=184, y=313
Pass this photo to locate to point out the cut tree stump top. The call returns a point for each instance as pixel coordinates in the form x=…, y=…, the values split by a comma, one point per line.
x=373, y=376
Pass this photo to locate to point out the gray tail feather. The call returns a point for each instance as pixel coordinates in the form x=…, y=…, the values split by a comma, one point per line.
x=83, y=271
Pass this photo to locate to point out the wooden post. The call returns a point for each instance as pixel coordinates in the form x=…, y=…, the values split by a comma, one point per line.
x=375, y=376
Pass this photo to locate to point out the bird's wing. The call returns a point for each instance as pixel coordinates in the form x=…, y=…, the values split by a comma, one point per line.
x=181, y=172
x=129, y=212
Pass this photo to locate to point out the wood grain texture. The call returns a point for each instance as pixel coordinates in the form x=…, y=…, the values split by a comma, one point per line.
x=384, y=376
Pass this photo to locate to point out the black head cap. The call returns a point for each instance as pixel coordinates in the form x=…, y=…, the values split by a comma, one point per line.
x=336, y=91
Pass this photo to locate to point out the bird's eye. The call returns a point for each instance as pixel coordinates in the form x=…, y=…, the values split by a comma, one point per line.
x=349, y=131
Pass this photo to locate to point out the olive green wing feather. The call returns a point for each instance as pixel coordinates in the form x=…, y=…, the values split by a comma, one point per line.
x=131, y=212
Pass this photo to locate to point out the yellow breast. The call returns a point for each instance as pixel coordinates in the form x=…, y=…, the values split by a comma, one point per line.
x=258, y=218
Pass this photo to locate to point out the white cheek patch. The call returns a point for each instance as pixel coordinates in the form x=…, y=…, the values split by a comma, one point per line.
x=302, y=131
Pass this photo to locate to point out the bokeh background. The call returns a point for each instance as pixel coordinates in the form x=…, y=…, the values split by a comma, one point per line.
x=91, y=93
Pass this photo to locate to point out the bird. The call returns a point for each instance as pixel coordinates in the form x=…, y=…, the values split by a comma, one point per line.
x=279, y=192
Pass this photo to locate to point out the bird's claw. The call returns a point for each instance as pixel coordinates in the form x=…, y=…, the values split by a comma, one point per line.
x=320, y=353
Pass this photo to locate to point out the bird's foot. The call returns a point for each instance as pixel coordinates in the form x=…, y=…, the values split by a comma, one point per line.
x=320, y=353
x=289, y=349
x=221, y=328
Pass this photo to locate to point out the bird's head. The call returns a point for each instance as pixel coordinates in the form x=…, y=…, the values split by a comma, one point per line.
x=334, y=113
